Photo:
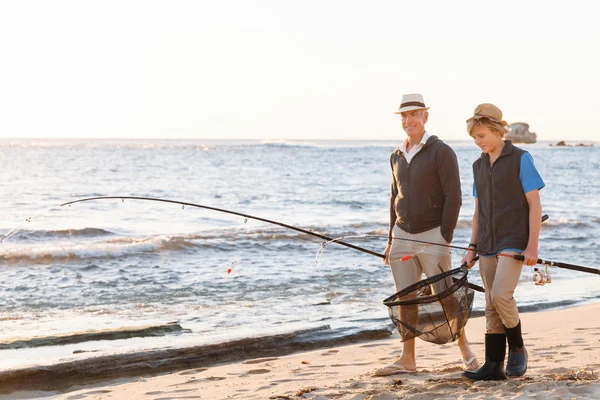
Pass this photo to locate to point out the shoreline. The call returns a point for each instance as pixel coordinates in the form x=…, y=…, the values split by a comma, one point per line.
x=61, y=376
x=563, y=345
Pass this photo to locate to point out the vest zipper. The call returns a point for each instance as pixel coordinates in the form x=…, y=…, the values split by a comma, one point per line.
x=492, y=204
x=492, y=200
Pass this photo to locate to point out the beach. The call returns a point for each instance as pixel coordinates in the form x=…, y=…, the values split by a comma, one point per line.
x=564, y=361
x=134, y=288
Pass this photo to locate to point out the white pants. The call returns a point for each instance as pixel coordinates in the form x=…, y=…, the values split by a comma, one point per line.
x=428, y=259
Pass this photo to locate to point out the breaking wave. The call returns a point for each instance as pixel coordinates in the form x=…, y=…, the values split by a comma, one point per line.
x=105, y=249
x=64, y=233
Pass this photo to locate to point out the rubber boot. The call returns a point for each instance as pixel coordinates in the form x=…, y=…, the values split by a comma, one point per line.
x=517, y=354
x=493, y=369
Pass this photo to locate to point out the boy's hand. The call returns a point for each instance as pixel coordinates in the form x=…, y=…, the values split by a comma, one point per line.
x=468, y=259
x=530, y=256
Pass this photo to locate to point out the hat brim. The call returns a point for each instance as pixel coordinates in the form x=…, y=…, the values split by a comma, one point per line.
x=410, y=108
x=501, y=124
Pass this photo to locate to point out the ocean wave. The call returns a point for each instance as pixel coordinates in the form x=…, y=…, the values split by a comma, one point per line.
x=63, y=233
x=565, y=222
x=151, y=144
x=115, y=247
x=285, y=143
x=105, y=249
x=337, y=144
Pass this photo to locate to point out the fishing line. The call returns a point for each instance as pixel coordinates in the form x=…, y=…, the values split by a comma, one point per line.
x=27, y=220
x=406, y=257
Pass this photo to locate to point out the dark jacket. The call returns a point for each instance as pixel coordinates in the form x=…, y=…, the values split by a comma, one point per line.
x=503, y=219
x=426, y=193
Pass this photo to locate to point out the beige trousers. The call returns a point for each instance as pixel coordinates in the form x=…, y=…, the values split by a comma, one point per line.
x=500, y=277
x=428, y=259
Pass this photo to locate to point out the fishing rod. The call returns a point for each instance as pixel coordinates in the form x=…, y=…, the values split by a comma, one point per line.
x=517, y=256
x=557, y=264
x=248, y=216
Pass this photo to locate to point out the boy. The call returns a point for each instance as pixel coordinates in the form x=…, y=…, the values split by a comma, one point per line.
x=506, y=222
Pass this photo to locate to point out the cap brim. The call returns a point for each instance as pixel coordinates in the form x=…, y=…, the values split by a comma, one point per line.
x=410, y=108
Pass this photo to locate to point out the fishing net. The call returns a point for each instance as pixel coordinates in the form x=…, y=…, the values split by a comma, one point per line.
x=435, y=309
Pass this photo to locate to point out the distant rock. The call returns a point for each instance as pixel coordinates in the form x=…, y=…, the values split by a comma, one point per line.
x=563, y=144
x=519, y=133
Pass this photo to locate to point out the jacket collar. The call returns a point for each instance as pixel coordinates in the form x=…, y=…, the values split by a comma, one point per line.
x=506, y=150
x=431, y=140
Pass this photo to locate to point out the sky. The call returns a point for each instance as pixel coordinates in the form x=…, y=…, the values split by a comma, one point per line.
x=294, y=69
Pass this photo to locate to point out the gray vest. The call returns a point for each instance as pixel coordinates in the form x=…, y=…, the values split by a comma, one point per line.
x=503, y=209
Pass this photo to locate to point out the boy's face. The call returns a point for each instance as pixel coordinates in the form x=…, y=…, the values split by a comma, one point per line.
x=413, y=122
x=487, y=139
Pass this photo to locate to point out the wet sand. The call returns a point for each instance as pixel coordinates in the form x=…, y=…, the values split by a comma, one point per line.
x=564, y=357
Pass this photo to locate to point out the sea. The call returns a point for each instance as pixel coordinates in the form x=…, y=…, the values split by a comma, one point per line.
x=117, y=264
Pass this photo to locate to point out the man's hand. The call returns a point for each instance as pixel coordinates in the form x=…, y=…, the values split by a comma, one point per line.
x=386, y=254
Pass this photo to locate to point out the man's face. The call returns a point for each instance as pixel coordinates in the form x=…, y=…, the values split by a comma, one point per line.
x=413, y=122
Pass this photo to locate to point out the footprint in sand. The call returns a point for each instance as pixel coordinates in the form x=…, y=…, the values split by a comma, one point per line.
x=286, y=380
x=188, y=382
x=193, y=371
x=84, y=395
x=259, y=371
x=456, y=368
x=546, y=355
x=178, y=398
x=264, y=388
x=350, y=365
x=260, y=360
x=558, y=370
x=305, y=373
x=214, y=378
x=330, y=353
x=376, y=345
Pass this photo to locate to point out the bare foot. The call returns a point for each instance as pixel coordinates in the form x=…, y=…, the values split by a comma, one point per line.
x=407, y=363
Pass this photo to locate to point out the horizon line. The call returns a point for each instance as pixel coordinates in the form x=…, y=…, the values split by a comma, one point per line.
x=269, y=139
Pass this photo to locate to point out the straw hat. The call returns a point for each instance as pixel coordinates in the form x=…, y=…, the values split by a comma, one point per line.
x=491, y=112
x=413, y=101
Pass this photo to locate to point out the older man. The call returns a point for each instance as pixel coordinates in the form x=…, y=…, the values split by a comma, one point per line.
x=425, y=199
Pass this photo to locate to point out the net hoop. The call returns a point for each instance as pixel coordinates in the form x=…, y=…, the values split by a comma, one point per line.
x=393, y=299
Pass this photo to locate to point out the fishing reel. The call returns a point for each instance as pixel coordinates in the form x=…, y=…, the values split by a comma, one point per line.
x=541, y=278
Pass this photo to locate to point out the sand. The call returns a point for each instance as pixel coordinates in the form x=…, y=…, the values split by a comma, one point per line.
x=564, y=362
